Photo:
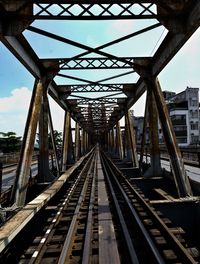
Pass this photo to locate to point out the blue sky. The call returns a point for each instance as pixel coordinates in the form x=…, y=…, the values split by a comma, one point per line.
x=16, y=82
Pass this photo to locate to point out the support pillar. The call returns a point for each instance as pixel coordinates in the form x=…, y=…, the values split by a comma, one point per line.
x=119, y=146
x=23, y=171
x=44, y=173
x=130, y=141
x=106, y=141
x=1, y=174
x=109, y=140
x=83, y=139
x=143, y=140
x=89, y=141
x=176, y=160
x=112, y=141
x=82, y=142
x=71, y=147
x=67, y=148
x=155, y=168
x=85, y=142
x=55, y=151
x=77, y=142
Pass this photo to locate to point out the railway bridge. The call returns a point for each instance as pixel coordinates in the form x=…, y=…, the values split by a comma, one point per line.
x=102, y=203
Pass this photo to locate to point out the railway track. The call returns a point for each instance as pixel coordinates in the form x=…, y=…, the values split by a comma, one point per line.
x=64, y=236
x=98, y=217
x=152, y=236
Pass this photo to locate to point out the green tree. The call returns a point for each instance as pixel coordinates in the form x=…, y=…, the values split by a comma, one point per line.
x=9, y=142
x=58, y=140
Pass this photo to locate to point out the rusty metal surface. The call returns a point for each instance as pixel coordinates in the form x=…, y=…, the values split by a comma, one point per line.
x=99, y=204
x=67, y=146
x=131, y=141
x=155, y=169
x=16, y=224
x=167, y=13
x=55, y=150
x=77, y=142
x=22, y=174
x=178, y=169
x=44, y=174
x=119, y=145
x=96, y=114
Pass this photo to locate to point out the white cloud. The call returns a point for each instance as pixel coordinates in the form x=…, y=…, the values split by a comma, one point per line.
x=14, y=111
x=18, y=101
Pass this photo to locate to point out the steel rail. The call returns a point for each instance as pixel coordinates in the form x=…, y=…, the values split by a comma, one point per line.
x=128, y=240
x=68, y=241
x=176, y=245
x=157, y=256
x=43, y=245
x=88, y=234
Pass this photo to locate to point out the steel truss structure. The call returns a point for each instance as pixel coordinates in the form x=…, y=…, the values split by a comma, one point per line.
x=97, y=114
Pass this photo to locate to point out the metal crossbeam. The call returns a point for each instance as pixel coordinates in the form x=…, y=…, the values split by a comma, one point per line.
x=98, y=49
x=96, y=101
x=96, y=88
x=90, y=10
x=180, y=17
x=171, y=44
x=96, y=63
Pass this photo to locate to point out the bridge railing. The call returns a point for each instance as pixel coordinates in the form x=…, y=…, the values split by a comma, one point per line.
x=191, y=155
x=13, y=158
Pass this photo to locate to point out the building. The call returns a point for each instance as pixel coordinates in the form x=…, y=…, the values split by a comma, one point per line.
x=184, y=112
x=168, y=94
x=138, y=126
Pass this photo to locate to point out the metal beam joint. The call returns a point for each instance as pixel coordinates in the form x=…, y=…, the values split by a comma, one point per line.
x=176, y=16
x=16, y=16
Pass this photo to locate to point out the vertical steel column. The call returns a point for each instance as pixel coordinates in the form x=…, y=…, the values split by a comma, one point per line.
x=119, y=145
x=1, y=173
x=55, y=151
x=112, y=141
x=89, y=140
x=44, y=174
x=77, y=142
x=82, y=142
x=85, y=142
x=66, y=139
x=131, y=142
x=106, y=141
x=155, y=168
x=71, y=155
x=109, y=141
x=143, y=141
x=22, y=174
x=127, y=153
x=177, y=164
x=116, y=148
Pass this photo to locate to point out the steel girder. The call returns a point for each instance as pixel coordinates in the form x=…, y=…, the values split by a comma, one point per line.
x=163, y=11
x=180, y=17
x=93, y=63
